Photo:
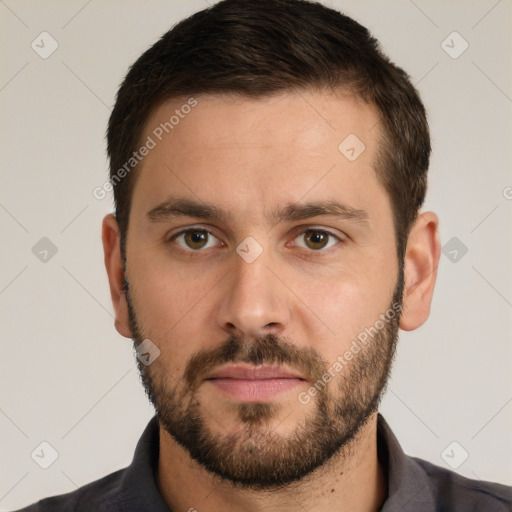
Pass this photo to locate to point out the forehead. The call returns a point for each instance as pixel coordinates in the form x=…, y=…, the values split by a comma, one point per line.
x=307, y=119
x=243, y=152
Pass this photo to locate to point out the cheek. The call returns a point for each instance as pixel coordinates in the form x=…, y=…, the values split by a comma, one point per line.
x=167, y=317
x=169, y=304
x=347, y=303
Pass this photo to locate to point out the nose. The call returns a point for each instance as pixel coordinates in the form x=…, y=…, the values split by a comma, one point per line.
x=254, y=301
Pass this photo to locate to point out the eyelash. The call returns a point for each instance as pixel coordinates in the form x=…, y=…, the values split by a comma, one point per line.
x=308, y=228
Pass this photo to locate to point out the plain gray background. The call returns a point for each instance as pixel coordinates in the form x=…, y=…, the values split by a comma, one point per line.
x=69, y=379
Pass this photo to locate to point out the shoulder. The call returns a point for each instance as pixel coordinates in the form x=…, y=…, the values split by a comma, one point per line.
x=416, y=484
x=99, y=494
x=456, y=492
x=131, y=488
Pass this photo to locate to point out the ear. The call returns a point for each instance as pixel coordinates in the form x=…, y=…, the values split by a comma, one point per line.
x=114, y=264
x=421, y=261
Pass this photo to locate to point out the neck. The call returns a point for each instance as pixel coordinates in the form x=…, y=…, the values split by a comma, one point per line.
x=353, y=480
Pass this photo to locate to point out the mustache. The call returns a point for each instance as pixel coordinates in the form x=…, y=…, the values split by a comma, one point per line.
x=268, y=349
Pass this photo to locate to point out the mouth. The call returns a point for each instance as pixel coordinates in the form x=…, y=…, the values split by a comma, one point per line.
x=254, y=383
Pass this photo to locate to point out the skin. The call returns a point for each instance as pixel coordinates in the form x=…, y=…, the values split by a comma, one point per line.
x=250, y=157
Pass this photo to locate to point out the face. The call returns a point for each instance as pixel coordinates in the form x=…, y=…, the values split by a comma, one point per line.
x=261, y=262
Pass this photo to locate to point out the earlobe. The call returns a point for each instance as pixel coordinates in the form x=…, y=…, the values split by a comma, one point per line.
x=421, y=261
x=114, y=265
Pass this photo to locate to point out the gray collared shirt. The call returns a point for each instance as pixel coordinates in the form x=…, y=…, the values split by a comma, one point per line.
x=413, y=484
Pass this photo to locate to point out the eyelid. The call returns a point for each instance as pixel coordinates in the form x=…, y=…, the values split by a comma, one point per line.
x=192, y=227
x=324, y=229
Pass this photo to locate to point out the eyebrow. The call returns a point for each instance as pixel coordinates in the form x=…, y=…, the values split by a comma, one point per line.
x=182, y=207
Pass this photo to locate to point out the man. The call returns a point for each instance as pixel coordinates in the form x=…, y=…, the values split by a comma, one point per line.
x=268, y=165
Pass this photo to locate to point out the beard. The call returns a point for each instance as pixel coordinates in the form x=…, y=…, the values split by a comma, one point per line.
x=256, y=456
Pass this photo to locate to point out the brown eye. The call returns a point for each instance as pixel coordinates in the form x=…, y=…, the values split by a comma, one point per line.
x=195, y=239
x=316, y=239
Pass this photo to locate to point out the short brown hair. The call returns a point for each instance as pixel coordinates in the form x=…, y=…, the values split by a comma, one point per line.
x=262, y=47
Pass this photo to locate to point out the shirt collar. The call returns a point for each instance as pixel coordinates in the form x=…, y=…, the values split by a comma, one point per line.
x=408, y=484
x=139, y=480
x=409, y=487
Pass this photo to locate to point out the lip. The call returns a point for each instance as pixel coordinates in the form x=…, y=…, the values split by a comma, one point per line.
x=253, y=383
x=253, y=373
